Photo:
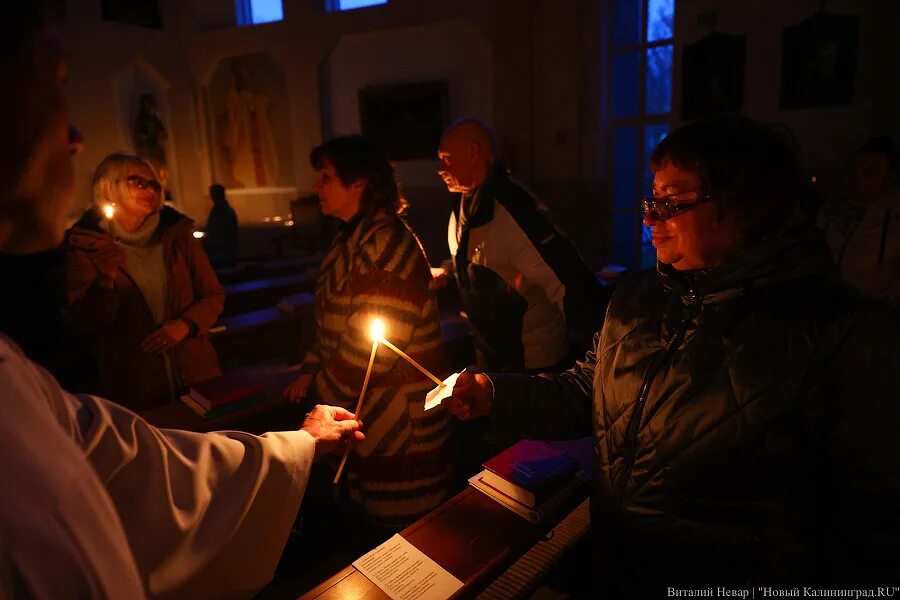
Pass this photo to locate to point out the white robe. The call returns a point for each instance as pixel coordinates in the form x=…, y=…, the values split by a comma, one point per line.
x=97, y=503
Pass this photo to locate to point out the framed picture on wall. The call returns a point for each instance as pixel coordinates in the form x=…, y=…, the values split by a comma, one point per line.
x=713, y=76
x=405, y=120
x=248, y=110
x=818, y=62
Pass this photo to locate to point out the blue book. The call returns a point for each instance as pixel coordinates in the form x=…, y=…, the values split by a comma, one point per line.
x=529, y=471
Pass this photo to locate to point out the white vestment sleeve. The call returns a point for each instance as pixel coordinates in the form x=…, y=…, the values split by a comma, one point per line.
x=206, y=515
x=60, y=534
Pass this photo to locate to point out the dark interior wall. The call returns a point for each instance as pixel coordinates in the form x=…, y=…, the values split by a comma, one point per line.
x=539, y=86
x=545, y=89
x=101, y=54
x=827, y=135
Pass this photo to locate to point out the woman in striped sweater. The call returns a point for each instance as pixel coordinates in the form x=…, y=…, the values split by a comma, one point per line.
x=376, y=268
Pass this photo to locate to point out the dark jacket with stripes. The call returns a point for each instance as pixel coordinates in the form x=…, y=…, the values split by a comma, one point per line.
x=524, y=287
x=376, y=268
x=746, y=423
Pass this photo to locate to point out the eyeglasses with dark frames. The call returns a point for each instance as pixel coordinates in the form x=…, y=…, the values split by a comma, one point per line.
x=664, y=208
x=144, y=184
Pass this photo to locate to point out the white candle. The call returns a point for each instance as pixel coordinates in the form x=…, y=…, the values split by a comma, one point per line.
x=376, y=332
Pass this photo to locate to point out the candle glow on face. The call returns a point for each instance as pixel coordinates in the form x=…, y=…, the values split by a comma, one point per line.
x=376, y=331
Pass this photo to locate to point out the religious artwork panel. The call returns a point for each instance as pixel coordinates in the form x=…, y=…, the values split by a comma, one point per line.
x=712, y=79
x=818, y=63
x=248, y=112
x=143, y=117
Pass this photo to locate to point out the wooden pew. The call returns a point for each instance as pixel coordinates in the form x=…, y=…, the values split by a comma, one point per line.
x=258, y=294
x=250, y=270
x=478, y=541
x=262, y=335
x=273, y=414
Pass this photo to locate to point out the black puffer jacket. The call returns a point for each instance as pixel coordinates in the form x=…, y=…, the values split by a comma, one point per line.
x=747, y=425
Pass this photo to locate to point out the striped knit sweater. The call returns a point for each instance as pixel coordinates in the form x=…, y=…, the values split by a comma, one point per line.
x=377, y=269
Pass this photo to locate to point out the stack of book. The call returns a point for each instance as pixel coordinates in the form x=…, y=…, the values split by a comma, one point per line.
x=224, y=394
x=534, y=478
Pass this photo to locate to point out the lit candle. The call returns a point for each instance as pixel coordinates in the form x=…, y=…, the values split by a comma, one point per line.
x=376, y=332
x=199, y=234
x=109, y=211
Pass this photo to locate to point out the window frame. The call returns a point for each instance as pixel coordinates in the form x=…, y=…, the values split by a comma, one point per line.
x=335, y=5
x=641, y=120
x=243, y=14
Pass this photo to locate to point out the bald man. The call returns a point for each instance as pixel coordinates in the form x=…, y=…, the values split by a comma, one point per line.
x=525, y=288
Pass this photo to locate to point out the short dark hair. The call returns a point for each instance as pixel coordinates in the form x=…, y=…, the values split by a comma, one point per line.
x=217, y=192
x=748, y=167
x=354, y=157
x=883, y=145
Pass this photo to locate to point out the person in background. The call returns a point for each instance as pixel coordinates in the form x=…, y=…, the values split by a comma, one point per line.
x=743, y=399
x=99, y=503
x=221, y=239
x=864, y=232
x=526, y=290
x=376, y=268
x=141, y=292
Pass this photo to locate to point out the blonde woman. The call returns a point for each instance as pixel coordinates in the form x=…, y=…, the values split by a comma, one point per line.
x=142, y=294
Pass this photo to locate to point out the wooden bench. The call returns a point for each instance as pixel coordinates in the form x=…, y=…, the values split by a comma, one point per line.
x=250, y=270
x=262, y=335
x=254, y=295
x=273, y=414
x=478, y=541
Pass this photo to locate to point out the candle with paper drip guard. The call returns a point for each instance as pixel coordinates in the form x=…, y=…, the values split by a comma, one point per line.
x=376, y=332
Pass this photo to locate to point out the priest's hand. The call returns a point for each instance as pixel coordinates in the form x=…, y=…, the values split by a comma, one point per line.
x=472, y=396
x=334, y=429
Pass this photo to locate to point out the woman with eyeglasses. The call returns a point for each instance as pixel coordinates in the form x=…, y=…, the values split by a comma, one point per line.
x=744, y=402
x=141, y=292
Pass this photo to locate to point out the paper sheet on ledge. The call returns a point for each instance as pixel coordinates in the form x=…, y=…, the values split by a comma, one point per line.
x=404, y=572
x=434, y=397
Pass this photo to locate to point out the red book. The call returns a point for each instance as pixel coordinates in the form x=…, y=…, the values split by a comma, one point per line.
x=529, y=471
x=225, y=389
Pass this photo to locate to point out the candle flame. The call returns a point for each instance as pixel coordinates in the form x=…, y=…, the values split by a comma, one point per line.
x=376, y=332
x=199, y=234
x=109, y=210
